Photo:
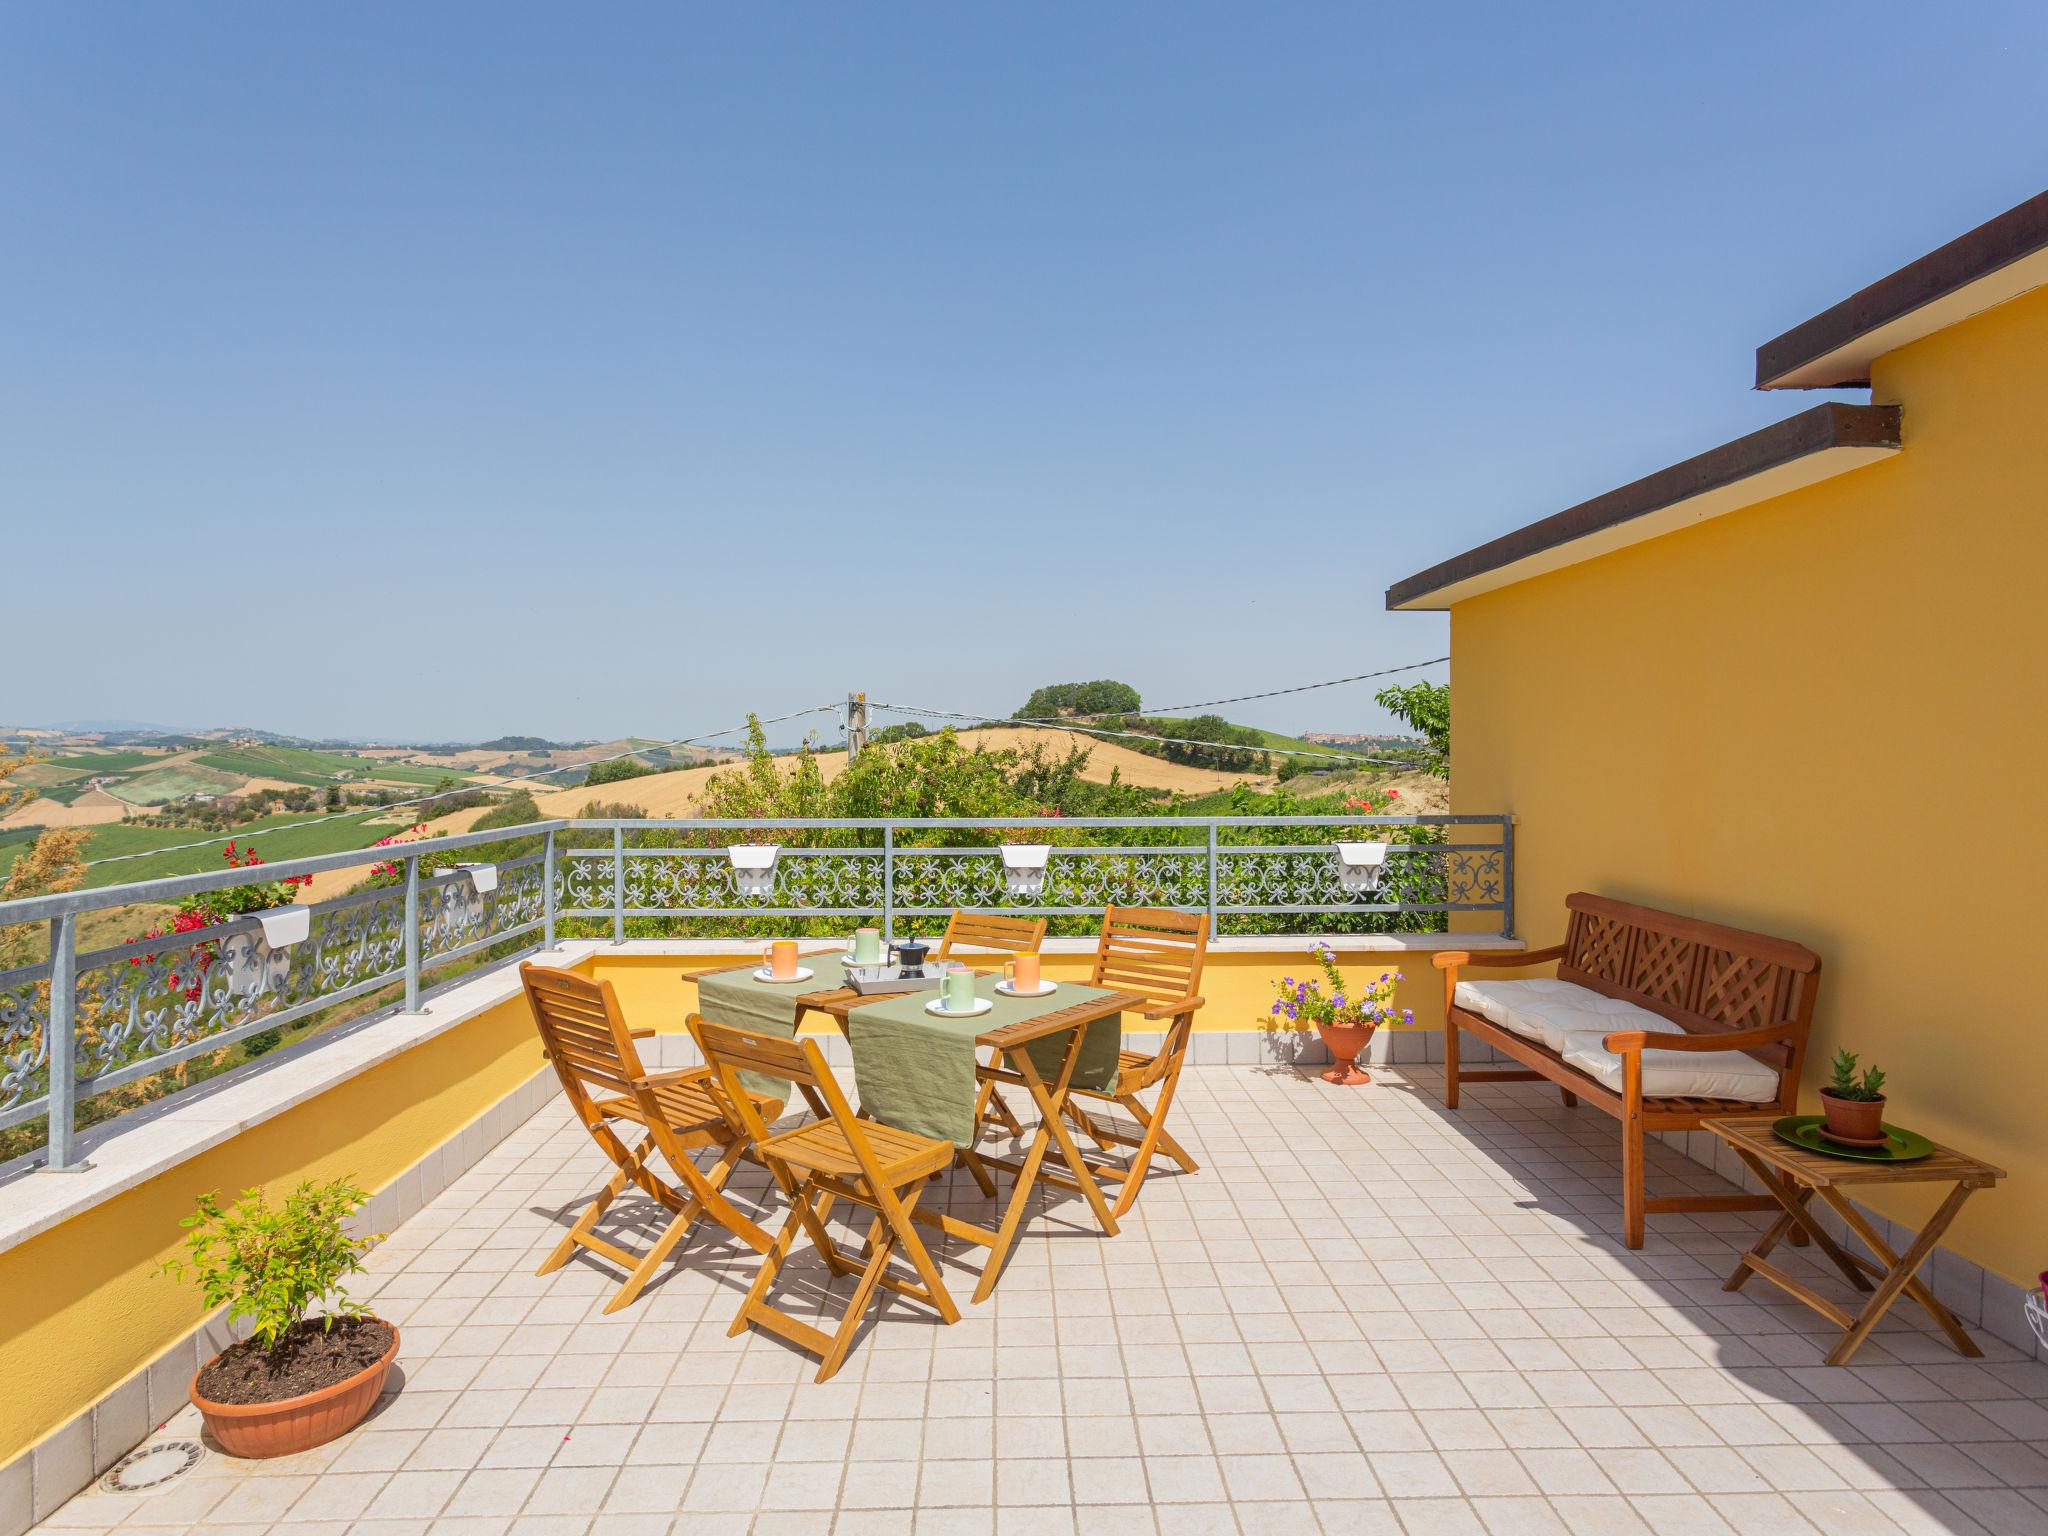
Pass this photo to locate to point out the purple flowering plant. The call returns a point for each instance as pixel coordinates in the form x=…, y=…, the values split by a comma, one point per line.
x=1330, y=1002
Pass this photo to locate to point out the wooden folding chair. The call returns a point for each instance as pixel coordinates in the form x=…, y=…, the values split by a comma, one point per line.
x=837, y=1156
x=1007, y=934
x=1157, y=952
x=592, y=1050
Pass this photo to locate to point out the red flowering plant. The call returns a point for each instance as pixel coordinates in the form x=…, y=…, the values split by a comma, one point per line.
x=208, y=909
x=390, y=871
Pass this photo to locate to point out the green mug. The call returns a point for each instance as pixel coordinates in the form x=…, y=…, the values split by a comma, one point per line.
x=957, y=991
x=867, y=946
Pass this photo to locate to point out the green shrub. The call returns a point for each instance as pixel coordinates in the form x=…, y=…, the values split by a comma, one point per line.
x=272, y=1266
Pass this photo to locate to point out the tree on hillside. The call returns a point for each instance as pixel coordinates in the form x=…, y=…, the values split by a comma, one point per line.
x=1057, y=701
x=1425, y=707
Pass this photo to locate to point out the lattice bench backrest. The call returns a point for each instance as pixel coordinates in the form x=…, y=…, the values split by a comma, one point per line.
x=1705, y=977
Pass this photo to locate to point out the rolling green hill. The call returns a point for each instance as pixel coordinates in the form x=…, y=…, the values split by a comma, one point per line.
x=275, y=837
x=305, y=765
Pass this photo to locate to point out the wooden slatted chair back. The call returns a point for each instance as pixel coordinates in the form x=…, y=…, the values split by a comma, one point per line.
x=1706, y=978
x=730, y=1050
x=999, y=931
x=1154, y=951
x=584, y=1034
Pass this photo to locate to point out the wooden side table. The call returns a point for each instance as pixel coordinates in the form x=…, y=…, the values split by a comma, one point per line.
x=1793, y=1176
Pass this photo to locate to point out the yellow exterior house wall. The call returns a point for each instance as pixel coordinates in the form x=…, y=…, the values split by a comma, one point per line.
x=84, y=1306
x=1826, y=717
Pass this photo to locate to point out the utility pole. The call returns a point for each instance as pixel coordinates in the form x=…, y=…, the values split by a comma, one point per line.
x=856, y=725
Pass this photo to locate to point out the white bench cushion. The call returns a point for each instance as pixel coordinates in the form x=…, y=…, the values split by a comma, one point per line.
x=1492, y=999
x=1677, y=1074
x=1554, y=1020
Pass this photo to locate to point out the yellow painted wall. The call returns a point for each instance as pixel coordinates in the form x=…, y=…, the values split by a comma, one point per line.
x=85, y=1308
x=1823, y=717
x=1236, y=986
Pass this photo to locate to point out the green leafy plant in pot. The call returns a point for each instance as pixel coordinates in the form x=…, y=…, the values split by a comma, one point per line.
x=298, y=1380
x=1854, y=1105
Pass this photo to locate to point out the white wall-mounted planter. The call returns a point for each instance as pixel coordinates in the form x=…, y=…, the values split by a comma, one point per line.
x=286, y=925
x=753, y=867
x=1361, y=866
x=1024, y=867
x=483, y=876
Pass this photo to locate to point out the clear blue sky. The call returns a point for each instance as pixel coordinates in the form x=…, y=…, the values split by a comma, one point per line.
x=441, y=371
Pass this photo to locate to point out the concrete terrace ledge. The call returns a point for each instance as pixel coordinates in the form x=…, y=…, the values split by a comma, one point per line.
x=132, y=1148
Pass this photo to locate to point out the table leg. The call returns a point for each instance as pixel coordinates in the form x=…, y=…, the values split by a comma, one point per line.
x=1050, y=1128
x=1797, y=1218
x=1900, y=1276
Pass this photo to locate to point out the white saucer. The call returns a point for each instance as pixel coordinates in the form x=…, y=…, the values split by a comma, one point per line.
x=1045, y=989
x=803, y=973
x=938, y=1009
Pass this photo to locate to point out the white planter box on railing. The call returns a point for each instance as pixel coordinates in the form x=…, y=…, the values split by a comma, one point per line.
x=483, y=876
x=753, y=867
x=1024, y=867
x=1361, y=866
x=286, y=925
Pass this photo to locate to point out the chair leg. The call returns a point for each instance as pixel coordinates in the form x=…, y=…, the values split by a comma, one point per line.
x=680, y=1225
x=1154, y=1139
x=1167, y=1144
x=920, y=1258
x=771, y=1261
x=628, y=1173
x=1450, y=1063
x=1571, y=1100
x=677, y=1229
x=881, y=1242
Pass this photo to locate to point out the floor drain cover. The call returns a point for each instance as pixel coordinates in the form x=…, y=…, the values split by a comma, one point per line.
x=148, y=1469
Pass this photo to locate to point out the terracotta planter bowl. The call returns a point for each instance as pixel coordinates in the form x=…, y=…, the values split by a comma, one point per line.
x=285, y=1428
x=1345, y=1043
x=1856, y=1119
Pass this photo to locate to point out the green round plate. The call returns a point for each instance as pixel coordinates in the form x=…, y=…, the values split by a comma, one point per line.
x=1804, y=1131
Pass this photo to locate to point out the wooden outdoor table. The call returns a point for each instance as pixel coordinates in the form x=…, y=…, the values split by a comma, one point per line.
x=1794, y=1175
x=1014, y=1066
x=1008, y=1042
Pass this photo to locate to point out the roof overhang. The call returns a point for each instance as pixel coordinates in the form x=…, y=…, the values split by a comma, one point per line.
x=1994, y=262
x=1802, y=450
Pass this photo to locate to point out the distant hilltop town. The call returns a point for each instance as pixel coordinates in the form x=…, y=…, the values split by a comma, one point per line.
x=1359, y=739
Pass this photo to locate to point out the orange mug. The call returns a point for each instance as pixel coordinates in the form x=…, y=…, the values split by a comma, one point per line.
x=781, y=957
x=1022, y=973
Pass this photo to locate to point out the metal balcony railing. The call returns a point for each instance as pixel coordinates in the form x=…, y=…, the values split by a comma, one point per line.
x=75, y=1025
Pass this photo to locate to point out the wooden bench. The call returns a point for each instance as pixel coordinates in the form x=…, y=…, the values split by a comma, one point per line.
x=1714, y=989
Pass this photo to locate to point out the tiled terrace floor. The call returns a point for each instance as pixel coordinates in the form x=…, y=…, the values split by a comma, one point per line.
x=1364, y=1315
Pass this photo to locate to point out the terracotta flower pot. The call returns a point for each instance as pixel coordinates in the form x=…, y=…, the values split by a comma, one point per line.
x=296, y=1423
x=1854, y=1119
x=1346, y=1043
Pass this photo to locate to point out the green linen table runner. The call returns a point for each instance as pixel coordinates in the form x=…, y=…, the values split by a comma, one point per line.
x=915, y=1070
x=738, y=999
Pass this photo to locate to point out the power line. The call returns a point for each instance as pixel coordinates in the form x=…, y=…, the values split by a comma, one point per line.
x=1176, y=741
x=399, y=805
x=1274, y=693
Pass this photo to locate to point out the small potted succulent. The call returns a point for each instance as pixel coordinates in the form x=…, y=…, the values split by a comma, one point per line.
x=1346, y=1019
x=1854, y=1105
x=297, y=1381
